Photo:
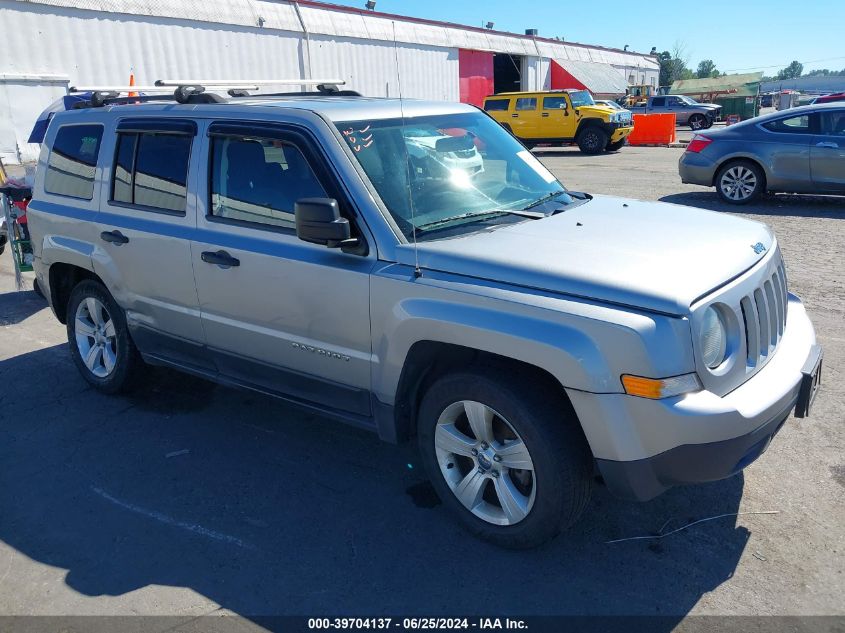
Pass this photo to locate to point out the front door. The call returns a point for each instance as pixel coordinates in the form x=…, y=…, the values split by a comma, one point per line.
x=827, y=152
x=144, y=226
x=556, y=119
x=279, y=313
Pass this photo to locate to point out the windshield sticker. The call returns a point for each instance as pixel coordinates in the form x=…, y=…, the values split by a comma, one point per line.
x=357, y=142
x=536, y=165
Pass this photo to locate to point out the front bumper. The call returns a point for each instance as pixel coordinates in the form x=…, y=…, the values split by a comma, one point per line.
x=643, y=447
x=620, y=132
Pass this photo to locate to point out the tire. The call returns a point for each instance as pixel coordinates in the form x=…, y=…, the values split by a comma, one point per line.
x=615, y=147
x=116, y=366
x=740, y=182
x=592, y=140
x=2, y=243
x=36, y=287
x=549, y=494
x=699, y=122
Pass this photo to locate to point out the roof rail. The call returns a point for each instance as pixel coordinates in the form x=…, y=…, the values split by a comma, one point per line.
x=322, y=85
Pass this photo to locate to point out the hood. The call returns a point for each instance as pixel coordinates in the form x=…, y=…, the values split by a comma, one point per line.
x=650, y=255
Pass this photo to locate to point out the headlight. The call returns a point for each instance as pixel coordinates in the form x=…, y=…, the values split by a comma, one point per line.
x=714, y=338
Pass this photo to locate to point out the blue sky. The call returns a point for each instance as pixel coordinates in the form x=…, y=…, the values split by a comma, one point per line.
x=739, y=35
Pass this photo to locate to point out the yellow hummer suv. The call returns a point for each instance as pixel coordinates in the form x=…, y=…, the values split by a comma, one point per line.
x=557, y=117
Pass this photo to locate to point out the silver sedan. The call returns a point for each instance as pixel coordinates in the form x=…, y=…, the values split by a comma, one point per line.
x=801, y=150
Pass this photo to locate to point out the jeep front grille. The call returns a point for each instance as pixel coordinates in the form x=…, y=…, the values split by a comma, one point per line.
x=764, y=317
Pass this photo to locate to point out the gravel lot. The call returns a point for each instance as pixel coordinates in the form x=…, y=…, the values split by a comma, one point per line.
x=188, y=498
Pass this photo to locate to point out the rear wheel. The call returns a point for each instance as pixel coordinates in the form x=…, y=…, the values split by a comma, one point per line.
x=740, y=182
x=99, y=339
x=509, y=461
x=592, y=140
x=698, y=122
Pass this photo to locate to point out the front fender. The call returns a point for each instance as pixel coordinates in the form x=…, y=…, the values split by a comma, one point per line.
x=585, y=346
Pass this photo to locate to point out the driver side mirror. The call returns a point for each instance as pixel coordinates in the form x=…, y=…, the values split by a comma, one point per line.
x=318, y=221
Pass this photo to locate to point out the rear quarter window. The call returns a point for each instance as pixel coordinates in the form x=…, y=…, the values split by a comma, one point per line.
x=496, y=104
x=72, y=164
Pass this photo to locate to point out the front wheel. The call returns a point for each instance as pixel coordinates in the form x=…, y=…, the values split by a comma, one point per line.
x=592, y=140
x=99, y=339
x=740, y=182
x=508, y=460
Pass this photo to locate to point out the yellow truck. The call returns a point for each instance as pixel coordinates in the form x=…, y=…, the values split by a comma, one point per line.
x=559, y=117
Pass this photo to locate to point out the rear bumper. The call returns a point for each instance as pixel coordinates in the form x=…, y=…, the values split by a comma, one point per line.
x=695, y=169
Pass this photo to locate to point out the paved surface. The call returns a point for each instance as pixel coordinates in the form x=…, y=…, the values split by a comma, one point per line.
x=188, y=498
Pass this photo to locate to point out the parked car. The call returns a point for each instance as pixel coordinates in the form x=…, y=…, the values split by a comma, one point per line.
x=801, y=150
x=612, y=105
x=4, y=234
x=429, y=150
x=560, y=117
x=524, y=333
x=699, y=116
x=837, y=96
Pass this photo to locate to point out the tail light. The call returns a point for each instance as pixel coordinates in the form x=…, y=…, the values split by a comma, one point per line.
x=698, y=143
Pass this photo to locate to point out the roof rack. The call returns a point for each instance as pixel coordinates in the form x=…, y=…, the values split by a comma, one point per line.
x=194, y=90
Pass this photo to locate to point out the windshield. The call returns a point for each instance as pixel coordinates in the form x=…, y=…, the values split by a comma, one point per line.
x=581, y=98
x=688, y=100
x=451, y=170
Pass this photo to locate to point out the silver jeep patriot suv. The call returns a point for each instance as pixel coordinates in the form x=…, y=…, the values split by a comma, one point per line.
x=409, y=268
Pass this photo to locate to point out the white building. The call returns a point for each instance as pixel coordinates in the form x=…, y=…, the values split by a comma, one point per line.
x=49, y=45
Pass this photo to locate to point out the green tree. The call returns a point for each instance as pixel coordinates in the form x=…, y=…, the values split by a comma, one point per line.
x=706, y=68
x=792, y=71
x=673, y=65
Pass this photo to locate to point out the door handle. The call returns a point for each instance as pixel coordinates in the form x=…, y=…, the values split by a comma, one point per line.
x=514, y=116
x=829, y=144
x=114, y=237
x=545, y=114
x=220, y=258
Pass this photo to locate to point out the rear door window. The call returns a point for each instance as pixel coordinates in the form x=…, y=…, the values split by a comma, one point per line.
x=151, y=170
x=72, y=164
x=658, y=102
x=526, y=103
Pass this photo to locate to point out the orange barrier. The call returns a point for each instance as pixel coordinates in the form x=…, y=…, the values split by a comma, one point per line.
x=653, y=129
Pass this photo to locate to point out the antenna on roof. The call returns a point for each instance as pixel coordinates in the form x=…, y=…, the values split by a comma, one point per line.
x=417, y=270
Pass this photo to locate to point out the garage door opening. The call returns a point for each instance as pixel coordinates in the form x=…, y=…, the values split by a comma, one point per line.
x=507, y=72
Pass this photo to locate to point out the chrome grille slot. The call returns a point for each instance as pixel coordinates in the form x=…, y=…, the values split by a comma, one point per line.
x=762, y=321
x=764, y=317
x=752, y=335
x=774, y=318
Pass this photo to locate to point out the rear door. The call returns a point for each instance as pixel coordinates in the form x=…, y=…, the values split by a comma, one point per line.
x=279, y=313
x=827, y=152
x=525, y=118
x=144, y=226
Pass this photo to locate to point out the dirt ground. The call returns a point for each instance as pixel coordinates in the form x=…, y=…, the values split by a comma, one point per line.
x=189, y=498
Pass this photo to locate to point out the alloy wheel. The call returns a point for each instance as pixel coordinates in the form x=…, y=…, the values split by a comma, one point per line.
x=96, y=338
x=738, y=183
x=485, y=463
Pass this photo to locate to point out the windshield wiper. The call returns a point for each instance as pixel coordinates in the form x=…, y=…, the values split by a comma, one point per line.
x=545, y=198
x=479, y=214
